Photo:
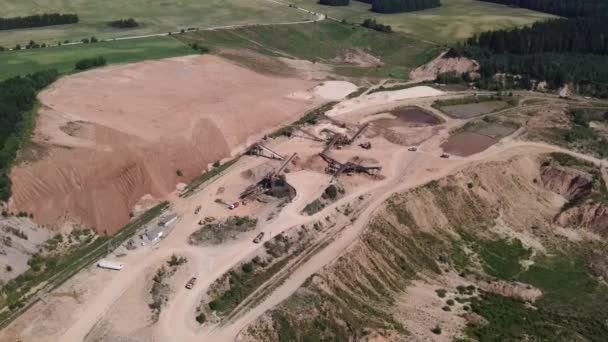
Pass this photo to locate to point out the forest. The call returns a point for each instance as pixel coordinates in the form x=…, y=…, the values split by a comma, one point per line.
x=397, y=6
x=334, y=2
x=577, y=35
x=17, y=99
x=38, y=20
x=563, y=8
x=557, y=51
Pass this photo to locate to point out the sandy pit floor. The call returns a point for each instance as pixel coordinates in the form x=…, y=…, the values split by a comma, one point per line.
x=113, y=135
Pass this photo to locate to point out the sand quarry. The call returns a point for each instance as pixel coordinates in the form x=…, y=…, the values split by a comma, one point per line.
x=107, y=137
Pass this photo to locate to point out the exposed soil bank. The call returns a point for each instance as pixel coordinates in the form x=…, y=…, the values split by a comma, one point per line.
x=112, y=135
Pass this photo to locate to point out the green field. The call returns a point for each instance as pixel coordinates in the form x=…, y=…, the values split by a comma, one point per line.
x=13, y=63
x=154, y=16
x=323, y=42
x=454, y=20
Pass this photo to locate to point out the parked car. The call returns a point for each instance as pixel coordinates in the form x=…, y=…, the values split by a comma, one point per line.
x=258, y=238
x=445, y=155
x=413, y=149
x=190, y=283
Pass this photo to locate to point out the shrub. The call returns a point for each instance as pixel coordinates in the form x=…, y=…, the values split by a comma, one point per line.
x=199, y=48
x=247, y=267
x=331, y=192
x=441, y=293
x=124, y=23
x=179, y=173
x=436, y=330
x=217, y=163
x=201, y=318
x=89, y=63
x=374, y=25
x=450, y=302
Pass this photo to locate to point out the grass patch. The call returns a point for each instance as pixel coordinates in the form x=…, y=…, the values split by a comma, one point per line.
x=454, y=20
x=13, y=63
x=313, y=207
x=152, y=17
x=325, y=42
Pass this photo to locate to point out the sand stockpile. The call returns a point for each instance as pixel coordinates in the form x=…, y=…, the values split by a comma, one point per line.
x=382, y=97
x=115, y=134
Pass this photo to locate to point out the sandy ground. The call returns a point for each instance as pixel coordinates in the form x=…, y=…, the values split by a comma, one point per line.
x=383, y=97
x=100, y=292
x=115, y=134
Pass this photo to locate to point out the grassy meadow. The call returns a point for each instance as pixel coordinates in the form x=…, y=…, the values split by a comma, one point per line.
x=154, y=16
x=63, y=58
x=454, y=20
x=324, y=42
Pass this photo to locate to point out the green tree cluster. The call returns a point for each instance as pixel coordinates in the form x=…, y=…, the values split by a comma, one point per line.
x=17, y=98
x=374, y=25
x=335, y=2
x=38, y=20
x=124, y=23
x=564, y=8
x=89, y=63
x=398, y=6
x=557, y=51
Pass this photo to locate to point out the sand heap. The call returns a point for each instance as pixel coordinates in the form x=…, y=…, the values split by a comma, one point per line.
x=115, y=134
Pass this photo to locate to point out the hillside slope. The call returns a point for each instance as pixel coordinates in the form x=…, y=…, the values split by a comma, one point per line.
x=464, y=257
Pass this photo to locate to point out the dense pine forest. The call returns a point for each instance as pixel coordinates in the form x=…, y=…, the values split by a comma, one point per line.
x=557, y=51
x=390, y=6
x=563, y=8
x=334, y=2
x=37, y=20
x=17, y=99
x=396, y=6
x=577, y=35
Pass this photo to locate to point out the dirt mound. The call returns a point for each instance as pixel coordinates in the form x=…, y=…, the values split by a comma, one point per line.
x=444, y=64
x=358, y=57
x=115, y=134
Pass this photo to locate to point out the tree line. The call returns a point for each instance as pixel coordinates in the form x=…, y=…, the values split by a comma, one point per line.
x=17, y=99
x=38, y=20
x=576, y=35
x=90, y=63
x=564, y=8
x=389, y=6
x=397, y=6
x=374, y=25
x=564, y=51
x=335, y=2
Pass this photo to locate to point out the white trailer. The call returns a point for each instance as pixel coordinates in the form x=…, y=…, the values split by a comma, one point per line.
x=111, y=265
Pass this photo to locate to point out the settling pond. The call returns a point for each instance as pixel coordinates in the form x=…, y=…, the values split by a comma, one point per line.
x=478, y=139
x=408, y=117
x=469, y=110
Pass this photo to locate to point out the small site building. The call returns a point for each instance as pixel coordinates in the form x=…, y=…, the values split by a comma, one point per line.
x=154, y=233
x=167, y=220
x=111, y=265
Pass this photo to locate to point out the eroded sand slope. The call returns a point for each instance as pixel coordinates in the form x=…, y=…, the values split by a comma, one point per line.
x=112, y=135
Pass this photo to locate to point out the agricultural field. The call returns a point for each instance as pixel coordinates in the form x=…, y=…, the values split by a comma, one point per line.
x=352, y=50
x=13, y=63
x=156, y=16
x=454, y=20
